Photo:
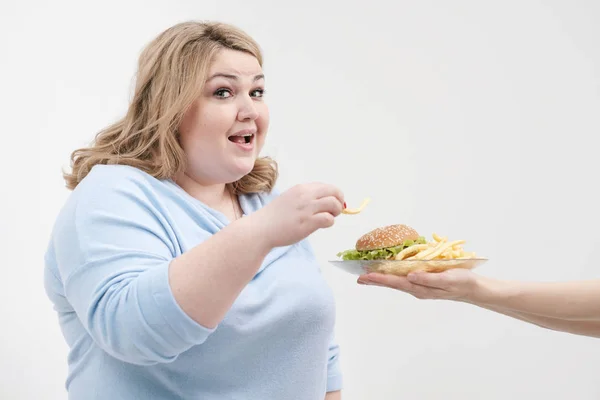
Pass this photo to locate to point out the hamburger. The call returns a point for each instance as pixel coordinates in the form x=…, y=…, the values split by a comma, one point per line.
x=383, y=243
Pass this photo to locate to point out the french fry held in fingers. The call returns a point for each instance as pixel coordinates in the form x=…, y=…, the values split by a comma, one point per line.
x=356, y=210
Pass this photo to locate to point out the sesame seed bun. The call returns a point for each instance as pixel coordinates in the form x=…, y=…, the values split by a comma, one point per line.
x=386, y=236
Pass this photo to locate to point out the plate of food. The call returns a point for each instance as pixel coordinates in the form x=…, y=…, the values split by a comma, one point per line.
x=399, y=250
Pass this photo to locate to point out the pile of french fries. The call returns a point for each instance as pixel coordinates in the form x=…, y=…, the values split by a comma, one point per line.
x=437, y=249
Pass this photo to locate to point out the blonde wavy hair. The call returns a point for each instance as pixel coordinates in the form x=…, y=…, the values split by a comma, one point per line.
x=172, y=70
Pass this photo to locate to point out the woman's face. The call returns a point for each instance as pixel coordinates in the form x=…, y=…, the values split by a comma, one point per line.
x=224, y=131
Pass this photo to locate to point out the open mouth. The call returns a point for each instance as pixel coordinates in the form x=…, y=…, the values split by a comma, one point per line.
x=242, y=139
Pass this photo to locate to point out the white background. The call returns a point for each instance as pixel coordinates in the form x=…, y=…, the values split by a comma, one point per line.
x=473, y=119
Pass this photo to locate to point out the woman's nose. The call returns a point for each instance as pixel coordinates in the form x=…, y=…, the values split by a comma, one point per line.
x=247, y=110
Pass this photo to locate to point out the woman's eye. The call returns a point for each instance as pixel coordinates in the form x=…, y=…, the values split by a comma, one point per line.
x=223, y=93
x=258, y=93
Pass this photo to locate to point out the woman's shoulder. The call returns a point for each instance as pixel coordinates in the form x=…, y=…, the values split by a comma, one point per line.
x=113, y=176
x=109, y=195
x=112, y=188
x=117, y=181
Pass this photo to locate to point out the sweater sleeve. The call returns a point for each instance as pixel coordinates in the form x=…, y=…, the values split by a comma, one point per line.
x=113, y=249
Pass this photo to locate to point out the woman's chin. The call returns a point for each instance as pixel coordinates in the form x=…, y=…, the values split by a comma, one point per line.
x=242, y=168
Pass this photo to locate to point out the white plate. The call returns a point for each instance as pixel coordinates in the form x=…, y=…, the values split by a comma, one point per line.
x=404, y=267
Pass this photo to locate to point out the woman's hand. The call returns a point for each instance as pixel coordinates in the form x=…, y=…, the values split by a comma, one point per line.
x=298, y=212
x=455, y=284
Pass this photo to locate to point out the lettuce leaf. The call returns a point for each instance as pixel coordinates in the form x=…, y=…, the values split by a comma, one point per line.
x=379, y=254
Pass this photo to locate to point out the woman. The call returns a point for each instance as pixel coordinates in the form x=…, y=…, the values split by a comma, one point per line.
x=572, y=307
x=176, y=269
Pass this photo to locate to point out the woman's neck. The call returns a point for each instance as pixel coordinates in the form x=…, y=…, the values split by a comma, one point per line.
x=216, y=196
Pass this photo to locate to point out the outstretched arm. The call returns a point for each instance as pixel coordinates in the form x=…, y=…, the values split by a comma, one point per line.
x=585, y=328
x=575, y=300
x=570, y=307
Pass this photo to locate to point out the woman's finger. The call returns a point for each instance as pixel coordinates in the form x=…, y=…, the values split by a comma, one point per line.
x=322, y=220
x=392, y=281
x=325, y=190
x=403, y=284
x=329, y=204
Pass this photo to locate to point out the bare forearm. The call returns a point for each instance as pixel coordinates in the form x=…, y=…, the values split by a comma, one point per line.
x=585, y=328
x=333, y=395
x=578, y=300
x=207, y=279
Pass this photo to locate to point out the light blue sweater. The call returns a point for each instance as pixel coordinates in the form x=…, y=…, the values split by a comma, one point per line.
x=106, y=274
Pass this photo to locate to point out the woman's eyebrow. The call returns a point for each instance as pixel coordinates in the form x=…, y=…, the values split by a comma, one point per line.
x=233, y=77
